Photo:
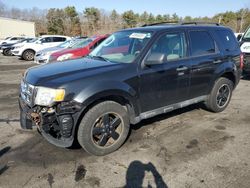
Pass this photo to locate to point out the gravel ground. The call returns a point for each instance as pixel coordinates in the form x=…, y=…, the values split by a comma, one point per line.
x=189, y=147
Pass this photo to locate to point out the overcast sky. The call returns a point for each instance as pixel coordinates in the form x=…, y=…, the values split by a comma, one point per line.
x=183, y=8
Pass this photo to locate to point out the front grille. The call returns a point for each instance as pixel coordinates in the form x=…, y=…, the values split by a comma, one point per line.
x=27, y=92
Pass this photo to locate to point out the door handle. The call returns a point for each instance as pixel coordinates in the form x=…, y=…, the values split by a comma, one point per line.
x=182, y=68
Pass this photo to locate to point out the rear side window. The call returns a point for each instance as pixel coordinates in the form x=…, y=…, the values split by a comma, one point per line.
x=59, y=39
x=228, y=40
x=201, y=43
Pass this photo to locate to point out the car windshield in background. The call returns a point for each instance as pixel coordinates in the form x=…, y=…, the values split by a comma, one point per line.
x=246, y=36
x=33, y=40
x=67, y=43
x=81, y=43
x=122, y=47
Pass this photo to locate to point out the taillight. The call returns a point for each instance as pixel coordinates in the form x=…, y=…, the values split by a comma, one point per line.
x=241, y=60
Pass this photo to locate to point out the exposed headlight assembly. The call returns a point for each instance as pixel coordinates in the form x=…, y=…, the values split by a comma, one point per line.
x=64, y=57
x=47, y=96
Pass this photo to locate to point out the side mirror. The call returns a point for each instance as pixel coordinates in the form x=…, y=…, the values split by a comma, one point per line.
x=39, y=42
x=155, y=59
x=239, y=37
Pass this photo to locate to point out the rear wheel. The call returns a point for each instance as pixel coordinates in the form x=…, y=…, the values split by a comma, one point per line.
x=28, y=55
x=104, y=128
x=220, y=96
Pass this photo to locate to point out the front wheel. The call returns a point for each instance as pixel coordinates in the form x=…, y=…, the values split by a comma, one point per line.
x=7, y=52
x=28, y=55
x=220, y=95
x=104, y=128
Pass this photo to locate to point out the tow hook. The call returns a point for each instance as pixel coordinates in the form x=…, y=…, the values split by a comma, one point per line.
x=36, y=118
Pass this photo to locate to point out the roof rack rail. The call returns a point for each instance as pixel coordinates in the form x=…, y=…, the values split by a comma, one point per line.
x=198, y=23
x=161, y=23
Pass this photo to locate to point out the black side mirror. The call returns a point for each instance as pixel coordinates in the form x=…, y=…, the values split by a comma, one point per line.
x=155, y=59
x=239, y=37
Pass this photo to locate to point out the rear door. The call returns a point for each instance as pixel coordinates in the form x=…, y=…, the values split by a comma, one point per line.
x=57, y=40
x=167, y=83
x=205, y=57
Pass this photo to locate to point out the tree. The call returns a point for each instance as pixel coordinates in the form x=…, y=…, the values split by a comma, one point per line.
x=130, y=18
x=175, y=17
x=93, y=17
x=144, y=17
x=159, y=18
x=55, y=21
x=151, y=18
x=72, y=21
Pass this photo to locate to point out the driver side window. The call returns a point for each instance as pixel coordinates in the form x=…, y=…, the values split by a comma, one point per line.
x=46, y=40
x=171, y=45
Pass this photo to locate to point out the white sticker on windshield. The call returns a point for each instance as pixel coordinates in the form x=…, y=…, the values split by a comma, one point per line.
x=138, y=35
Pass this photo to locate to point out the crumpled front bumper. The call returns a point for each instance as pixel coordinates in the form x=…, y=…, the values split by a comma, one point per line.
x=57, y=128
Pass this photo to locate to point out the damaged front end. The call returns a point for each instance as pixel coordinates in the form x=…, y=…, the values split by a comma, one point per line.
x=56, y=123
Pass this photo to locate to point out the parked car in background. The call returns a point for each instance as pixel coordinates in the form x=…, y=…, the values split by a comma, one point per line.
x=6, y=48
x=27, y=51
x=245, y=48
x=11, y=40
x=78, y=50
x=42, y=56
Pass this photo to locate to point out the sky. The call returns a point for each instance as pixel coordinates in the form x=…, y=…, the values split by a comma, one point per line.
x=194, y=8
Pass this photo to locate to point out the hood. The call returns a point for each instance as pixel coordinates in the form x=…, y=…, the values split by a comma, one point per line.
x=57, y=74
x=81, y=51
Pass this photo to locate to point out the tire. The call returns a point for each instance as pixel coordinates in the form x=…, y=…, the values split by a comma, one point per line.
x=92, y=131
x=28, y=55
x=7, y=52
x=220, y=95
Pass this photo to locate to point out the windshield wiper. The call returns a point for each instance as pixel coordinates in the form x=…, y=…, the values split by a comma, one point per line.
x=98, y=57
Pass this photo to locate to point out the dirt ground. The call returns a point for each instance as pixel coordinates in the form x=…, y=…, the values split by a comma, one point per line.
x=187, y=148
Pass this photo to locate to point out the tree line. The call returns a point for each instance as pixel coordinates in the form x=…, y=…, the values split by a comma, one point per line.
x=67, y=21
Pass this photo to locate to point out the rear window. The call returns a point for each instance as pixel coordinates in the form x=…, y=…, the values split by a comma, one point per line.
x=201, y=43
x=228, y=40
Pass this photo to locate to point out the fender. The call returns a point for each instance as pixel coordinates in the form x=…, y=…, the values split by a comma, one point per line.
x=107, y=88
x=224, y=68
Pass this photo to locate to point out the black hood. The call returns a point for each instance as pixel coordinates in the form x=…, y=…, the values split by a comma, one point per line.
x=58, y=73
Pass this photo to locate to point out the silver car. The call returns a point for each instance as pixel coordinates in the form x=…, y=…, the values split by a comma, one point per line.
x=42, y=56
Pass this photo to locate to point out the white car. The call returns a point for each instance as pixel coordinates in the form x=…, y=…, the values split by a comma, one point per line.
x=245, y=49
x=42, y=56
x=11, y=40
x=28, y=50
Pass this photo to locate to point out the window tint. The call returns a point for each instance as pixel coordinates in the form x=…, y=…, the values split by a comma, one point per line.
x=201, y=43
x=227, y=39
x=173, y=46
x=46, y=40
x=14, y=38
x=59, y=39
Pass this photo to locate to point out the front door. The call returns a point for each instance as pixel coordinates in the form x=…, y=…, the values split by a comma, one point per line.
x=166, y=83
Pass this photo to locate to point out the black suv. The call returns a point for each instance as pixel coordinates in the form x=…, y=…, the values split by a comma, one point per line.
x=134, y=74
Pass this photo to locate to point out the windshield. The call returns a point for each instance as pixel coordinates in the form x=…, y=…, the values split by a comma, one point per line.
x=66, y=44
x=81, y=43
x=33, y=40
x=246, y=36
x=122, y=47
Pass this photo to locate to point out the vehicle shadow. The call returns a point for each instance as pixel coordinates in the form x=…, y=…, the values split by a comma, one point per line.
x=136, y=173
x=167, y=115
